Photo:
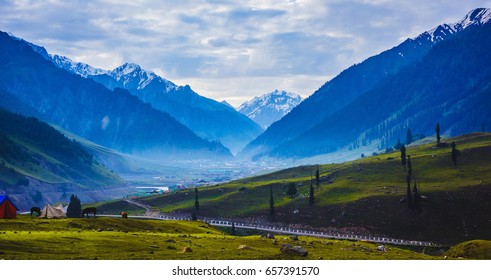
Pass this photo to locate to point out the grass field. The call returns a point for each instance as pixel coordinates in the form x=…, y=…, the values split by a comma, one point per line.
x=111, y=238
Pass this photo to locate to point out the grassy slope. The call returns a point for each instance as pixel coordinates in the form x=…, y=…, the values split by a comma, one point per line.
x=474, y=249
x=49, y=169
x=107, y=238
x=365, y=194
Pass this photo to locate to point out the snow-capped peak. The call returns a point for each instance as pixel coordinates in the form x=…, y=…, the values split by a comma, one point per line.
x=78, y=68
x=270, y=107
x=475, y=17
x=133, y=76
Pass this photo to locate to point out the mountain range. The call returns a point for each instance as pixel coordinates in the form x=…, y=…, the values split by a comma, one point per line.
x=269, y=108
x=442, y=75
x=207, y=118
x=31, y=84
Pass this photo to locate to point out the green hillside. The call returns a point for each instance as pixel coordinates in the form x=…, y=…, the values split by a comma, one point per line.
x=31, y=149
x=474, y=249
x=365, y=195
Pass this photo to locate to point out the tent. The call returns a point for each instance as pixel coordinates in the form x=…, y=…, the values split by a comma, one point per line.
x=52, y=212
x=7, y=209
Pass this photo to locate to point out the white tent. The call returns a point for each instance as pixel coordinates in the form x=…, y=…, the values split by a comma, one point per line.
x=52, y=212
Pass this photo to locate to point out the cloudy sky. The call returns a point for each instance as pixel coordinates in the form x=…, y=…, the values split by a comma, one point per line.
x=231, y=50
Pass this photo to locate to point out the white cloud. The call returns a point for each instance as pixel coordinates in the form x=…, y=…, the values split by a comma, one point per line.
x=228, y=49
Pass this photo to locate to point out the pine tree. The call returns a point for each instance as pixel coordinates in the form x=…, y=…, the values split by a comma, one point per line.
x=317, y=177
x=409, y=167
x=271, y=202
x=311, y=194
x=409, y=197
x=417, y=199
x=409, y=137
x=455, y=153
x=196, y=202
x=291, y=190
x=437, y=129
x=403, y=156
x=74, y=209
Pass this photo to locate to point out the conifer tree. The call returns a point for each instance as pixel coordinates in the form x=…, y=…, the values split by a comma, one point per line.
x=409, y=167
x=311, y=194
x=317, y=177
x=417, y=199
x=74, y=209
x=291, y=190
x=409, y=197
x=196, y=202
x=409, y=137
x=271, y=202
x=455, y=153
x=437, y=129
x=403, y=156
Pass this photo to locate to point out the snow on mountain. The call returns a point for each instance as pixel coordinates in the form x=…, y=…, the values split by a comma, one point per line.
x=78, y=68
x=131, y=75
x=478, y=16
x=270, y=107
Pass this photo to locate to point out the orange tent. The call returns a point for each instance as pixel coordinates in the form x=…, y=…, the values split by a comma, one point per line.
x=7, y=209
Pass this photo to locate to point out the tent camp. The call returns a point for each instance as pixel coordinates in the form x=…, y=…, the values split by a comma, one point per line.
x=52, y=212
x=7, y=209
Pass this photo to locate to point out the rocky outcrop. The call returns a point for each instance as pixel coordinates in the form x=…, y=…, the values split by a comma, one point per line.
x=289, y=249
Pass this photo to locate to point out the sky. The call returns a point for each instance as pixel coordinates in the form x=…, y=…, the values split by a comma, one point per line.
x=228, y=50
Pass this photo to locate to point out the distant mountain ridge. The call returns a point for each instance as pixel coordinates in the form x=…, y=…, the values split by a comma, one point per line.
x=270, y=107
x=208, y=118
x=377, y=100
x=113, y=118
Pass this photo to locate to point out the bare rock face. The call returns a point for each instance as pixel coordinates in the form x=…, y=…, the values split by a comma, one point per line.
x=293, y=250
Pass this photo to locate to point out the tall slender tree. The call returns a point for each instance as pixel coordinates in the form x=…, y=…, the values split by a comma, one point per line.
x=317, y=177
x=232, y=230
x=403, y=156
x=311, y=194
x=455, y=153
x=437, y=129
x=271, y=202
x=409, y=197
x=196, y=202
x=409, y=167
x=417, y=199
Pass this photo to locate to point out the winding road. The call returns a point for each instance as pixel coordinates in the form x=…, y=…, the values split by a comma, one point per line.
x=153, y=214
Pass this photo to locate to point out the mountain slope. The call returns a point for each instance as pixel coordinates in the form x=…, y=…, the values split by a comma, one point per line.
x=38, y=164
x=270, y=107
x=450, y=85
x=114, y=119
x=358, y=92
x=364, y=196
x=208, y=118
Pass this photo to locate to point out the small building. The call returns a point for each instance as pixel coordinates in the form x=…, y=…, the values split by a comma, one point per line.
x=8, y=210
